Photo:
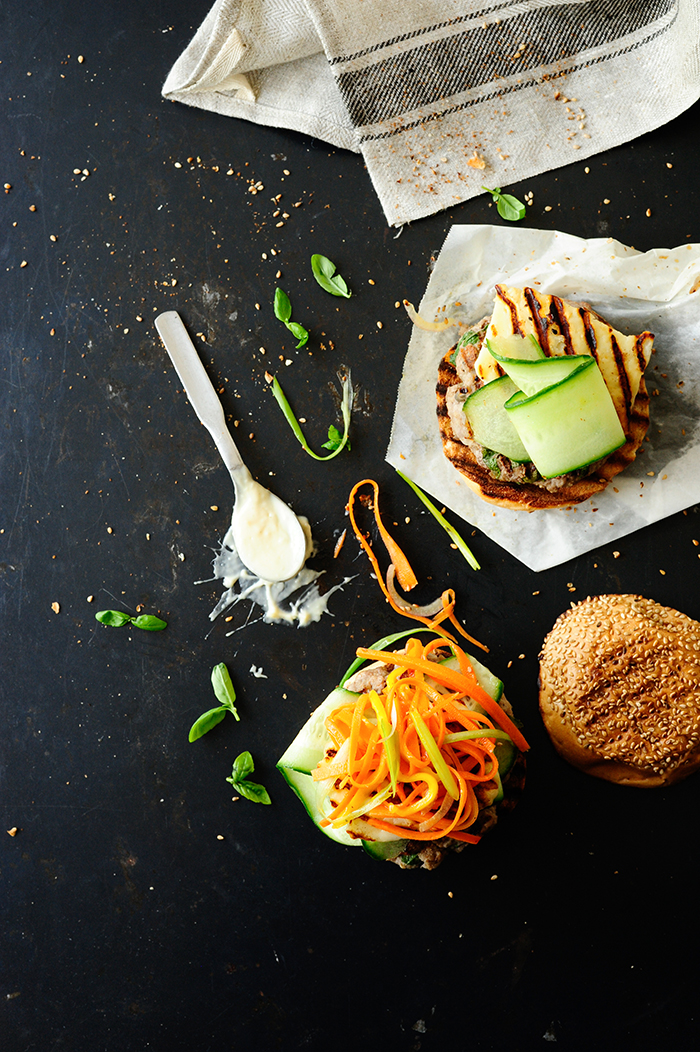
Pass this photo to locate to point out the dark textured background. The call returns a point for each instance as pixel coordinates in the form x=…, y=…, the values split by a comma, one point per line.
x=126, y=924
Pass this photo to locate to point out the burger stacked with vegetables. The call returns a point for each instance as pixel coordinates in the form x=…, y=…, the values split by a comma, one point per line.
x=543, y=403
x=412, y=755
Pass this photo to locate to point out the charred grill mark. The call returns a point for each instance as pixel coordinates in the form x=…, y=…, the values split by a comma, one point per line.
x=558, y=317
x=589, y=332
x=621, y=371
x=538, y=321
x=513, y=310
x=639, y=345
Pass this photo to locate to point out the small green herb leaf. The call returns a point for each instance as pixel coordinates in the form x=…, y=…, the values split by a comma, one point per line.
x=282, y=306
x=117, y=618
x=223, y=688
x=242, y=767
x=325, y=273
x=346, y=409
x=471, y=336
x=299, y=331
x=253, y=791
x=334, y=439
x=149, y=623
x=283, y=312
x=206, y=721
x=508, y=207
x=113, y=618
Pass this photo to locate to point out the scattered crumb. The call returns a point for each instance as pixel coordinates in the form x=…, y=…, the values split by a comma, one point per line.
x=56, y=607
x=341, y=541
x=13, y=832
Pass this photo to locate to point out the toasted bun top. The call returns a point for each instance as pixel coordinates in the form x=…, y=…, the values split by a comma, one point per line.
x=620, y=689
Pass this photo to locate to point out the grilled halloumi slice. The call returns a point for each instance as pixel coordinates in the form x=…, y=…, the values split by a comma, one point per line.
x=562, y=327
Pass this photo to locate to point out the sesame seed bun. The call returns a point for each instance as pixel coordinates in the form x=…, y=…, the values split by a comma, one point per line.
x=620, y=690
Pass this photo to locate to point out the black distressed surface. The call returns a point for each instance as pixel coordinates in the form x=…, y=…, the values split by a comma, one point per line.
x=125, y=923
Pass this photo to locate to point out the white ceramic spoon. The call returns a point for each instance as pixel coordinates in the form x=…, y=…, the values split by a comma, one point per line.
x=268, y=536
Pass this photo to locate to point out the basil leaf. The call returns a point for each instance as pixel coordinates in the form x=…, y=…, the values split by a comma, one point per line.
x=206, y=721
x=334, y=438
x=508, y=207
x=242, y=766
x=251, y=791
x=282, y=306
x=149, y=623
x=223, y=688
x=299, y=331
x=325, y=273
x=113, y=618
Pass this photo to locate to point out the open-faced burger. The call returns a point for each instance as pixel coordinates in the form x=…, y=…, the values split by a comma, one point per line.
x=541, y=404
x=412, y=755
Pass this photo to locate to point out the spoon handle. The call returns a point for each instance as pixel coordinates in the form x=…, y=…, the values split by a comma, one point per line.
x=198, y=386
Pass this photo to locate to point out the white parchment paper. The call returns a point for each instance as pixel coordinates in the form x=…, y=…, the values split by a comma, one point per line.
x=657, y=291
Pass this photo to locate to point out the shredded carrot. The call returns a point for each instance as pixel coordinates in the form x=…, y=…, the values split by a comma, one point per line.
x=421, y=780
x=404, y=573
x=457, y=681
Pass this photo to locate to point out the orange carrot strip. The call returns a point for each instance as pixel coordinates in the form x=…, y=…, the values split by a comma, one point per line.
x=456, y=681
x=470, y=838
x=414, y=834
x=406, y=577
x=448, y=597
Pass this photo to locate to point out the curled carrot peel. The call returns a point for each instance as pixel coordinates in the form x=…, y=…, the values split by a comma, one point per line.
x=404, y=572
x=406, y=577
x=416, y=758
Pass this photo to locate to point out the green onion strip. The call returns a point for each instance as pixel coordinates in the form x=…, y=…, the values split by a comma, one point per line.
x=457, y=540
x=346, y=409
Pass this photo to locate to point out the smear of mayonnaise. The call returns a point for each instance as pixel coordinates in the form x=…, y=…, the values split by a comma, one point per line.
x=297, y=601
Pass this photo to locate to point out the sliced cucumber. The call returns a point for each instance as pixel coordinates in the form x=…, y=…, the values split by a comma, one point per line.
x=489, y=421
x=384, y=849
x=309, y=747
x=569, y=425
x=312, y=794
x=523, y=348
x=533, y=377
x=484, y=677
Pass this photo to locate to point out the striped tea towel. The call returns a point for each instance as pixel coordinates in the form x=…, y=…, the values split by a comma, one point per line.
x=444, y=96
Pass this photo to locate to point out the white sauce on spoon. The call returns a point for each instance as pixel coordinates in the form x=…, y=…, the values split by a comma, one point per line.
x=267, y=535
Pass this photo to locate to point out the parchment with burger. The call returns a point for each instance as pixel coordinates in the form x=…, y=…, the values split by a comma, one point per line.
x=567, y=374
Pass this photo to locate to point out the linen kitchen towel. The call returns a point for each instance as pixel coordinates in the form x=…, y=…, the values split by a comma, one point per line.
x=444, y=96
